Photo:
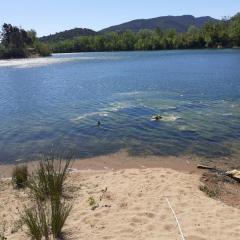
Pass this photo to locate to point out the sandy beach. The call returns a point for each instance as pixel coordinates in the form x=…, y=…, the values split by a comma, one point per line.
x=120, y=120
x=132, y=203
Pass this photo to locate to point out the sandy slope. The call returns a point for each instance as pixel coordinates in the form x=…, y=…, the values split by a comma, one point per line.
x=134, y=207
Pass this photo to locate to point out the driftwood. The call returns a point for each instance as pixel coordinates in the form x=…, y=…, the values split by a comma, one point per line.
x=212, y=169
x=234, y=174
x=206, y=167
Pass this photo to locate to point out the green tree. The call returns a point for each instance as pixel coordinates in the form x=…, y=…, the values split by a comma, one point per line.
x=235, y=30
x=224, y=33
x=18, y=43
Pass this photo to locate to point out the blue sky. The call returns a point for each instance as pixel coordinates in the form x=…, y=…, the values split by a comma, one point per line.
x=50, y=16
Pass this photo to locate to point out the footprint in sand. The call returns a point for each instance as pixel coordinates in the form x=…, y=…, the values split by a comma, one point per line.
x=169, y=227
x=107, y=237
x=192, y=237
x=150, y=227
x=97, y=215
x=147, y=214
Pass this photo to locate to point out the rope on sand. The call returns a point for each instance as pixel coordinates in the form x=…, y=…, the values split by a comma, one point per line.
x=175, y=216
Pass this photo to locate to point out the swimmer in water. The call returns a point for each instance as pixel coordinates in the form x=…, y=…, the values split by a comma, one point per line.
x=158, y=117
x=98, y=123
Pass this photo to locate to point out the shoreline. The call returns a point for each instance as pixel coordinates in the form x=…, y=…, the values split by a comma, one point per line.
x=123, y=160
x=119, y=161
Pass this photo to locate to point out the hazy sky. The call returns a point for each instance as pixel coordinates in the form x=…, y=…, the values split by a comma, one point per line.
x=50, y=16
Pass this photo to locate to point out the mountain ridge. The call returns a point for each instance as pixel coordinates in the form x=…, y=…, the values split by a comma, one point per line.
x=180, y=23
x=68, y=34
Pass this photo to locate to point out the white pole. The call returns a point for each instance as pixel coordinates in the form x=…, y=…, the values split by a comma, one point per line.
x=175, y=216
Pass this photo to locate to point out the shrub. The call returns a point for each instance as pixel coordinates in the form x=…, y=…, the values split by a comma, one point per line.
x=6, y=53
x=31, y=220
x=20, y=176
x=91, y=201
x=3, y=54
x=60, y=213
x=46, y=218
x=49, y=179
x=212, y=193
x=49, y=212
x=43, y=49
x=37, y=221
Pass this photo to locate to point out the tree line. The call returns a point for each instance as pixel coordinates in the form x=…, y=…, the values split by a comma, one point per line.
x=19, y=43
x=16, y=42
x=223, y=34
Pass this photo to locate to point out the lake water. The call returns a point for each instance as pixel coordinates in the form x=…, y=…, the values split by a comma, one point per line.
x=56, y=102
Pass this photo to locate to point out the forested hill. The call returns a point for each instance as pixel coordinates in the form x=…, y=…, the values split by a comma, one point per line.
x=213, y=34
x=68, y=34
x=179, y=23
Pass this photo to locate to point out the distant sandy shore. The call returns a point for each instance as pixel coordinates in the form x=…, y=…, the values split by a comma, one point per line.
x=134, y=205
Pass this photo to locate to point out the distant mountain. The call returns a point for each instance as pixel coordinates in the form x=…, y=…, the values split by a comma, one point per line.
x=180, y=23
x=68, y=34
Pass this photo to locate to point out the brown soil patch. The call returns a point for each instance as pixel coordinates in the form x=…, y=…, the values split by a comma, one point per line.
x=221, y=187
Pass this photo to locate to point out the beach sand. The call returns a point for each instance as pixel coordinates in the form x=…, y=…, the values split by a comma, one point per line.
x=132, y=204
x=122, y=160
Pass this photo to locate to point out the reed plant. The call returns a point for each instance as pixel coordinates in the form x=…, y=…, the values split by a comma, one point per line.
x=50, y=210
x=60, y=211
x=20, y=176
x=48, y=181
x=36, y=219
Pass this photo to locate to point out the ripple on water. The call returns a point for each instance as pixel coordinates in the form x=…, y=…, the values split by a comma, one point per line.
x=104, y=112
x=89, y=115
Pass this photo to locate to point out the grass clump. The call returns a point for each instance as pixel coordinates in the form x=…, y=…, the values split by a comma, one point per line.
x=91, y=201
x=50, y=210
x=60, y=212
x=20, y=176
x=212, y=193
x=37, y=221
x=46, y=219
x=49, y=179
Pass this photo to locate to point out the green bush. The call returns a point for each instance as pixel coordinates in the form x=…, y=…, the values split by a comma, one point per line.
x=6, y=53
x=46, y=218
x=60, y=213
x=91, y=201
x=210, y=192
x=37, y=221
x=49, y=179
x=43, y=49
x=20, y=176
x=3, y=51
x=50, y=211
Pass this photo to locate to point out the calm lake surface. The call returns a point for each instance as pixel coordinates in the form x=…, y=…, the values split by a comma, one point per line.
x=57, y=101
